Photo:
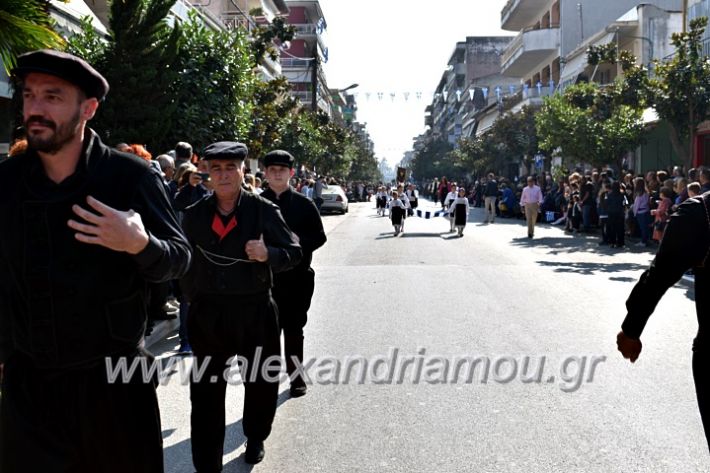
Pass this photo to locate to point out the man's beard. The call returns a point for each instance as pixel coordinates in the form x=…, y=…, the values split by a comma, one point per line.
x=62, y=135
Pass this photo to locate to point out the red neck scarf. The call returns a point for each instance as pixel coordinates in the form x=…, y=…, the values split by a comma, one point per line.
x=220, y=229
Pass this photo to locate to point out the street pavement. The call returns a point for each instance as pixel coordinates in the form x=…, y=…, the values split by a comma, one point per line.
x=493, y=294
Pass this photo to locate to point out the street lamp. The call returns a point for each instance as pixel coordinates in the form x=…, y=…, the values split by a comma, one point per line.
x=351, y=86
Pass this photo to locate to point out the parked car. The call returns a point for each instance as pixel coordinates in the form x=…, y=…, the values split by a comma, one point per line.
x=334, y=200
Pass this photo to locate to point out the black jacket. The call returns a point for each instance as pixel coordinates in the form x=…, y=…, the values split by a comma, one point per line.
x=685, y=245
x=65, y=303
x=302, y=217
x=222, y=267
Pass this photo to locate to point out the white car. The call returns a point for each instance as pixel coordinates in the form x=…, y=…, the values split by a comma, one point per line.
x=334, y=200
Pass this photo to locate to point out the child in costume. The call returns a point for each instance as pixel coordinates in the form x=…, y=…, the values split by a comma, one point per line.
x=397, y=212
x=459, y=209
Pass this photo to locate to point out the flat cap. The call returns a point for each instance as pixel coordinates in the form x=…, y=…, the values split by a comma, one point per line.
x=279, y=158
x=226, y=150
x=65, y=66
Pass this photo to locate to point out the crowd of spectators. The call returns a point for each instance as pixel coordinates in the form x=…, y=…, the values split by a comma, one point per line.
x=592, y=202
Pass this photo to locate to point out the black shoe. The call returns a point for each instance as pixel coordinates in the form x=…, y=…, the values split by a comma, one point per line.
x=530, y=235
x=255, y=452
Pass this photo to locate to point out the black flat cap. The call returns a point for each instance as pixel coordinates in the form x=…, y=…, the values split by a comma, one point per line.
x=226, y=150
x=65, y=66
x=279, y=158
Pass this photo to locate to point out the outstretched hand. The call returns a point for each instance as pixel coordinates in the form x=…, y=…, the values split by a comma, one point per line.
x=114, y=229
x=630, y=348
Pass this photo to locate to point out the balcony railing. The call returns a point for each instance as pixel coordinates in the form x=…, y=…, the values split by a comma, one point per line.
x=233, y=20
x=287, y=62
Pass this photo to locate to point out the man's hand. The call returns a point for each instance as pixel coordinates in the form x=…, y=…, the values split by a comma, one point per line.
x=630, y=348
x=256, y=250
x=195, y=179
x=111, y=228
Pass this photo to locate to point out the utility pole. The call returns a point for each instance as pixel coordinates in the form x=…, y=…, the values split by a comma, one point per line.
x=581, y=23
x=685, y=14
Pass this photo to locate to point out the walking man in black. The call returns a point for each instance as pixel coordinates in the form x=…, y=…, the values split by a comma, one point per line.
x=293, y=289
x=238, y=239
x=685, y=245
x=85, y=228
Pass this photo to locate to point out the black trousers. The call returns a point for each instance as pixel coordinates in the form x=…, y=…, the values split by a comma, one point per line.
x=615, y=229
x=77, y=422
x=221, y=328
x=701, y=362
x=293, y=292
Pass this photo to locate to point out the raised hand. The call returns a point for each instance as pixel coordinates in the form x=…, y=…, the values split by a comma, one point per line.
x=114, y=229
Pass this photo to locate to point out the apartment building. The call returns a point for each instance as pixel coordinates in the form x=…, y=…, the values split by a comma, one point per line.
x=243, y=13
x=550, y=31
x=302, y=63
x=474, y=67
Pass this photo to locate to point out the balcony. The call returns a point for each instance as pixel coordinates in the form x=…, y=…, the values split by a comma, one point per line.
x=517, y=14
x=528, y=50
x=310, y=30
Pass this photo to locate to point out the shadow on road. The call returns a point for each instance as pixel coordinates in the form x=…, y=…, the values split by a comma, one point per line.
x=571, y=244
x=591, y=268
x=178, y=457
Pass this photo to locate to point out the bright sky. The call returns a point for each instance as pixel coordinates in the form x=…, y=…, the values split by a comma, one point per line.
x=397, y=46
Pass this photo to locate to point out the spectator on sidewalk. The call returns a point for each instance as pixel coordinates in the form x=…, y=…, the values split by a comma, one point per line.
x=615, y=203
x=84, y=230
x=587, y=201
x=704, y=178
x=490, y=195
x=642, y=210
x=661, y=214
x=530, y=201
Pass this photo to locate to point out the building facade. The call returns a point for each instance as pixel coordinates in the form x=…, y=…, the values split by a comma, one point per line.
x=302, y=63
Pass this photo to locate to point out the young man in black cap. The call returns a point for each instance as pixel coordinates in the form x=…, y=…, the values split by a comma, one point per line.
x=685, y=245
x=85, y=228
x=293, y=289
x=239, y=240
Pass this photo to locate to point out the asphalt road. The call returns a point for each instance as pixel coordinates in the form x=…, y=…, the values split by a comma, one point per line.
x=493, y=296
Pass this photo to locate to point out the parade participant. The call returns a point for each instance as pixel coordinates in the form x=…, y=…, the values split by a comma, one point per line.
x=685, y=245
x=413, y=196
x=85, y=228
x=405, y=200
x=239, y=239
x=293, y=289
x=530, y=201
x=450, y=197
x=382, y=198
x=460, y=209
x=397, y=212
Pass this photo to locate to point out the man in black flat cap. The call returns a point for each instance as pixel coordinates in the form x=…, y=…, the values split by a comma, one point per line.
x=85, y=228
x=293, y=289
x=239, y=240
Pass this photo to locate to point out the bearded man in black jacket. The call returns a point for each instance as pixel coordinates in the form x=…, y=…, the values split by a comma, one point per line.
x=85, y=228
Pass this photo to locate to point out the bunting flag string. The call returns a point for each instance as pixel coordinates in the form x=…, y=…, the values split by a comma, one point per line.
x=499, y=92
